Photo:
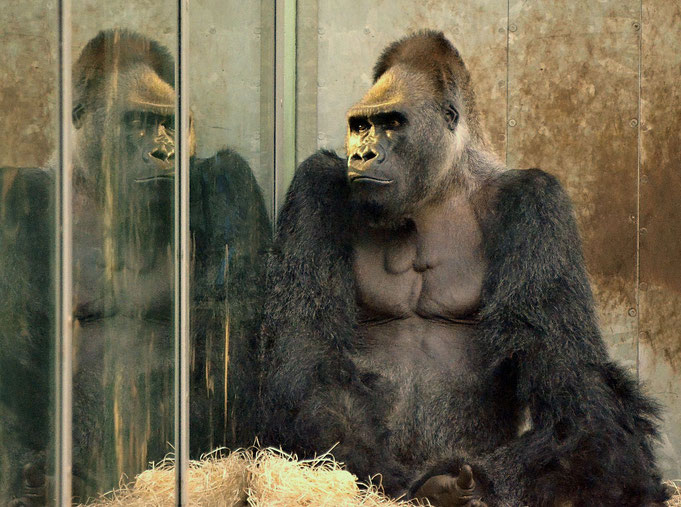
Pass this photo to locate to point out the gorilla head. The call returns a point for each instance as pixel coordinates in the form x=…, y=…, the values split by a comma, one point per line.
x=123, y=111
x=407, y=136
x=124, y=148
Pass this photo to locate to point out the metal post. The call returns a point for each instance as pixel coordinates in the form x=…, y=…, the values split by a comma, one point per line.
x=182, y=259
x=63, y=366
x=285, y=99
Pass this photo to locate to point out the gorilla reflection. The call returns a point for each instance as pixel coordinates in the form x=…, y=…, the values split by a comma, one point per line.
x=430, y=317
x=124, y=159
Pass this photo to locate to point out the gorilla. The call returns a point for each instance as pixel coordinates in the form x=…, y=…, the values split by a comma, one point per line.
x=429, y=315
x=123, y=119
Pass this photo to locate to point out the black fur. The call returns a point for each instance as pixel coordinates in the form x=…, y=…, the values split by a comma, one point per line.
x=592, y=428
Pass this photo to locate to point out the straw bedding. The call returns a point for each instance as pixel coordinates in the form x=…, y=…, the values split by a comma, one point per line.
x=259, y=478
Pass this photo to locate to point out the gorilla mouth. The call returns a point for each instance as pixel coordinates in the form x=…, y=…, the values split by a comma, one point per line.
x=360, y=178
x=156, y=177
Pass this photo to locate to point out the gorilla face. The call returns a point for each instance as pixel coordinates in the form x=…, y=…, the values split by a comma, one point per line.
x=125, y=157
x=403, y=140
x=128, y=137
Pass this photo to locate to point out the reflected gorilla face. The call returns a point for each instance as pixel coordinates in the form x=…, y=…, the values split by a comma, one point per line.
x=124, y=115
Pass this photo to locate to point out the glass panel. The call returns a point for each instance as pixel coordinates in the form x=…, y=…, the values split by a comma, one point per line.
x=28, y=136
x=123, y=122
x=231, y=89
x=124, y=162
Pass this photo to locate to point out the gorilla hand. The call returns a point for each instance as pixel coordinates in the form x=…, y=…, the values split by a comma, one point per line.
x=447, y=490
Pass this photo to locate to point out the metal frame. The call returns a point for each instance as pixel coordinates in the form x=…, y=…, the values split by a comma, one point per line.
x=182, y=257
x=63, y=262
x=284, y=98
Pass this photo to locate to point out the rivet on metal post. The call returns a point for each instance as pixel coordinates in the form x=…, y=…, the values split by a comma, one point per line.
x=512, y=123
x=632, y=312
x=634, y=122
x=512, y=28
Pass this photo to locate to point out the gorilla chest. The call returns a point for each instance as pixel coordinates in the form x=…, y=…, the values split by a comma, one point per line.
x=432, y=268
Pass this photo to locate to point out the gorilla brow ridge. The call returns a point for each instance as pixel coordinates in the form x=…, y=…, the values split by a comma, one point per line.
x=95, y=62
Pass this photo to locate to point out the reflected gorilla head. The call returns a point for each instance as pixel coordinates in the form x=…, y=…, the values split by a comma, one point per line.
x=123, y=110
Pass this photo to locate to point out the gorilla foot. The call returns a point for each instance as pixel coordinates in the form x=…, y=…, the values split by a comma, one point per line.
x=449, y=490
x=34, y=487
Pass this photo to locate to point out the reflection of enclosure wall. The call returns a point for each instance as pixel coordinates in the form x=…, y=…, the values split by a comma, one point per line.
x=225, y=92
x=558, y=84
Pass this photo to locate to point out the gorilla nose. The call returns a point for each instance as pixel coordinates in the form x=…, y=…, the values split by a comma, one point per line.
x=365, y=155
x=163, y=155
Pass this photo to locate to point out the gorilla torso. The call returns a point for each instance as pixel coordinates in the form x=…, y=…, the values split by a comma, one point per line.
x=418, y=289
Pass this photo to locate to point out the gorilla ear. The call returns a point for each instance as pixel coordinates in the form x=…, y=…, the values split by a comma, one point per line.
x=451, y=116
x=77, y=115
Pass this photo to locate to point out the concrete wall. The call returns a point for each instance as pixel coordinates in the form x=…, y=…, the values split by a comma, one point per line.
x=586, y=90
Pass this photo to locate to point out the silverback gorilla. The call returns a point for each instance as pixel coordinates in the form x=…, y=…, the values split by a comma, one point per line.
x=430, y=317
x=123, y=118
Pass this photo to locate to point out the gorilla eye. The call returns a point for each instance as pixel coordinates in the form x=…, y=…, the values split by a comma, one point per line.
x=392, y=120
x=359, y=124
x=134, y=120
x=168, y=123
x=451, y=116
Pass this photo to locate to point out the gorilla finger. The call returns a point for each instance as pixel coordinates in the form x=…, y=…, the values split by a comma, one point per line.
x=465, y=479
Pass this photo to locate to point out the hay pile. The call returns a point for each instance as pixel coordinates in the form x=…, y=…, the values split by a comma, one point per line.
x=265, y=478
x=251, y=478
x=676, y=499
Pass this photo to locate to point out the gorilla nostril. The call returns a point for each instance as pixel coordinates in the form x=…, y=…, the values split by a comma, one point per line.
x=356, y=156
x=162, y=155
x=369, y=155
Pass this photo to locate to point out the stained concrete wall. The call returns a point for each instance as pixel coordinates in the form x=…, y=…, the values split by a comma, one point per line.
x=585, y=90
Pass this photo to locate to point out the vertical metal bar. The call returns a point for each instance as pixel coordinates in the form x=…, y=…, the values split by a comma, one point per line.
x=63, y=366
x=307, y=82
x=267, y=102
x=182, y=259
x=638, y=196
x=284, y=98
x=508, y=72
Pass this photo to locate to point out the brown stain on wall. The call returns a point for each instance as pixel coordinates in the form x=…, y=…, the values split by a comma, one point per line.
x=573, y=92
x=661, y=146
x=27, y=93
x=660, y=219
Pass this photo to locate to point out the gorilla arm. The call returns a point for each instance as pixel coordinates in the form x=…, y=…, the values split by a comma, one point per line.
x=26, y=323
x=313, y=397
x=591, y=427
x=230, y=232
